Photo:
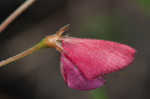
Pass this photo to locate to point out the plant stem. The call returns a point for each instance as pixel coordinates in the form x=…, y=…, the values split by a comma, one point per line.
x=15, y=14
x=23, y=54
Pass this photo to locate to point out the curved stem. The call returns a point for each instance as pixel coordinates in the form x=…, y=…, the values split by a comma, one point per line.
x=23, y=54
x=15, y=14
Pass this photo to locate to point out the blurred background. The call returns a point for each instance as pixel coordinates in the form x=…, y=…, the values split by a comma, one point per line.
x=38, y=76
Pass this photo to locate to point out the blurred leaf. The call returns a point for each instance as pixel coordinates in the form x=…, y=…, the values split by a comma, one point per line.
x=145, y=4
x=101, y=27
x=99, y=93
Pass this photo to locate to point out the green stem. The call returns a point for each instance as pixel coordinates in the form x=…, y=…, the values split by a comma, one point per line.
x=24, y=53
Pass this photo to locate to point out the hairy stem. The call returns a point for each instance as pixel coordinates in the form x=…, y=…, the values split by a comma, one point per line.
x=15, y=14
x=23, y=54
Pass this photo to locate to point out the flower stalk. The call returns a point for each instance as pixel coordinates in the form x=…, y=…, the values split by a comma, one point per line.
x=51, y=41
x=27, y=52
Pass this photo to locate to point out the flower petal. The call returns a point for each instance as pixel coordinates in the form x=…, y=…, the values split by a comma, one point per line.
x=74, y=78
x=97, y=57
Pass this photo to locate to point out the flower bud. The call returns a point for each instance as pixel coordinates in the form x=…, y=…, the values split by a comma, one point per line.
x=84, y=62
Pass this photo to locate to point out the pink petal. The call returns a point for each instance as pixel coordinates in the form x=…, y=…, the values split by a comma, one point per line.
x=97, y=57
x=74, y=78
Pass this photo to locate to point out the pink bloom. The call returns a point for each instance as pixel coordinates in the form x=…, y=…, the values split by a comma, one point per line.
x=74, y=78
x=85, y=61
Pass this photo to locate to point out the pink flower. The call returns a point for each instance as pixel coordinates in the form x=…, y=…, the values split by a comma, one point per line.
x=84, y=62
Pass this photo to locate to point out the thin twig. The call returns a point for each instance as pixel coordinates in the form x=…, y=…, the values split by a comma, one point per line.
x=15, y=14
